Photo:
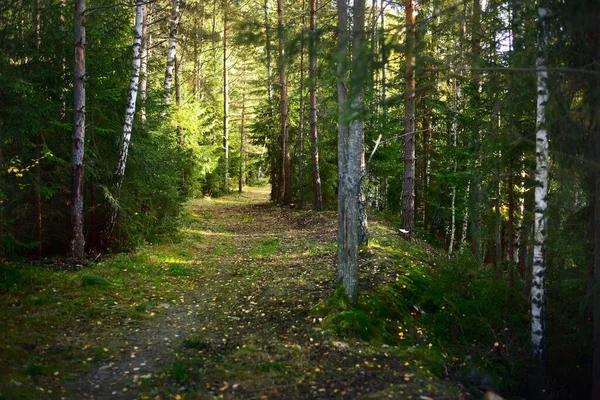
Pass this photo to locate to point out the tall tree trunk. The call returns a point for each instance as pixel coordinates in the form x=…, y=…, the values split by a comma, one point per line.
x=170, y=57
x=465, y=222
x=242, y=133
x=426, y=169
x=356, y=127
x=349, y=169
x=301, y=117
x=383, y=62
x=269, y=93
x=78, y=139
x=286, y=173
x=144, y=62
x=314, y=140
x=62, y=112
x=498, y=222
x=195, y=80
x=225, y=103
x=38, y=196
x=538, y=294
x=177, y=81
x=129, y=115
x=408, y=187
x=268, y=51
x=476, y=197
x=455, y=168
x=38, y=147
x=510, y=242
x=363, y=224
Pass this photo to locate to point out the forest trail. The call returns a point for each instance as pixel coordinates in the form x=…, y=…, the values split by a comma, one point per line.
x=254, y=280
x=224, y=311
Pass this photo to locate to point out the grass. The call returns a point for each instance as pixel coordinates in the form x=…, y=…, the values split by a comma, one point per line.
x=265, y=247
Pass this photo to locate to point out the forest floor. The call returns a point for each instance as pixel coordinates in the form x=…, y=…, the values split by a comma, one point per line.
x=227, y=309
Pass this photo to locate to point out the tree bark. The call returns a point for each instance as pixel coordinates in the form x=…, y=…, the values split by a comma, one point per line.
x=171, y=54
x=408, y=188
x=268, y=51
x=144, y=63
x=78, y=138
x=465, y=222
x=133, y=91
x=129, y=115
x=349, y=171
x=356, y=127
x=269, y=93
x=455, y=168
x=195, y=79
x=314, y=140
x=538, y=294
x=510, y=242
x=383, y=62
x=225, y=104
x=38, y=147
x=476, y=181
x=286, y=173
x=177, y=81
x=301, y=117
x=242, y=133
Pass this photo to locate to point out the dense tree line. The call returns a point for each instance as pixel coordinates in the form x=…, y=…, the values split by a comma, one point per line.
x=475, y=123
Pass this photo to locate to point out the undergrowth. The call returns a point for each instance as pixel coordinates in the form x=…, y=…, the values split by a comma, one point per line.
x=462, y=319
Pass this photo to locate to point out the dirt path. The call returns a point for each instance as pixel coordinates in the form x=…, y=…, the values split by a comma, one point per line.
x=227, y=311
x=257, y=270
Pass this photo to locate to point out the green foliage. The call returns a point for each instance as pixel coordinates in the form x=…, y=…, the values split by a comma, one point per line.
x=265, y=247
x=93, y=280
x=451, y=309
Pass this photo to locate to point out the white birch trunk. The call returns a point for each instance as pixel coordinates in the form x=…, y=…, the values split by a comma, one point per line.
x=78, y=137
x=170, y=58
x=144, y=63
x=129, y=116
x=133, y=91
x=541, y=191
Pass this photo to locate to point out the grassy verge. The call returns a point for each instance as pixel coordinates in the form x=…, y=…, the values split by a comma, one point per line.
x=453, y=317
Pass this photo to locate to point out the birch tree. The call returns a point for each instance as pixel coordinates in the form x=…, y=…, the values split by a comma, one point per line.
x=538, y=294
x=408, y=188
x=129, y=111
x=171, y=54
x=144, y=62
x=78, y=138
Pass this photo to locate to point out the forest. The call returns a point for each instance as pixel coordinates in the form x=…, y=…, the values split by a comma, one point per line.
x=300, y=199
